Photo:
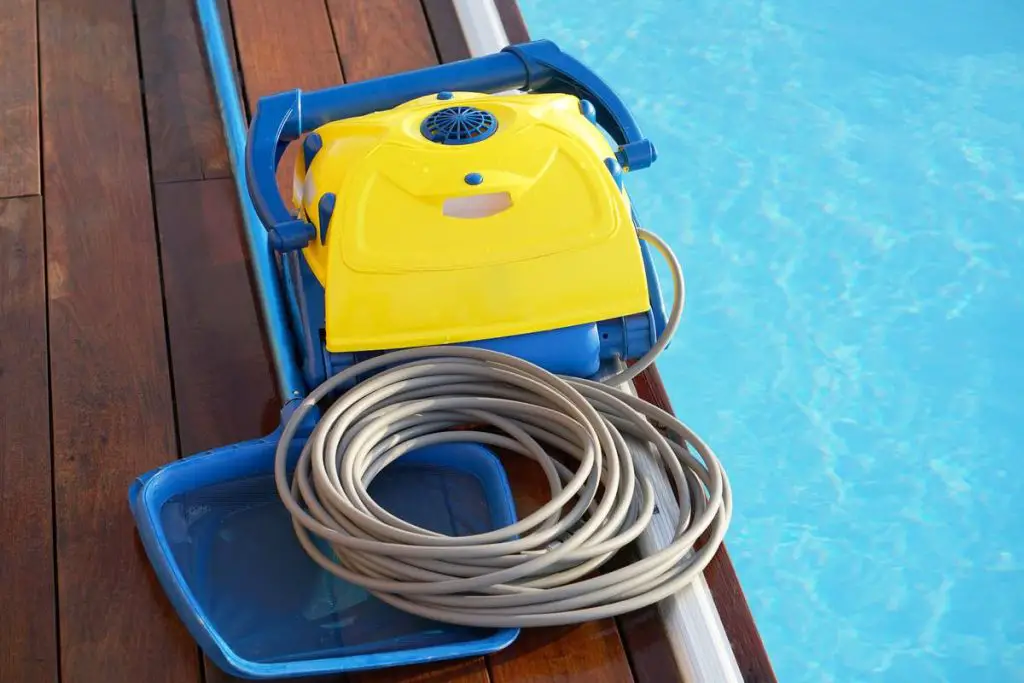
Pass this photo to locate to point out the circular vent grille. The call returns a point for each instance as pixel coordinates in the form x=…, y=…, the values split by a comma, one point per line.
x=459, y=126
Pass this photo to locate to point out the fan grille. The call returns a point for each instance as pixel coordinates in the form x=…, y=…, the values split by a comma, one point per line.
x=459, y=125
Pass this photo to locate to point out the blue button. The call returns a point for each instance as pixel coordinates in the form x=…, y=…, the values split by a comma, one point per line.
x=474, y=178
x=588, y=111
x=444, y=95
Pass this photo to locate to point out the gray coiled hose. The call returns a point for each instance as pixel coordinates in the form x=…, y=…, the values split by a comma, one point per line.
x=540, y=570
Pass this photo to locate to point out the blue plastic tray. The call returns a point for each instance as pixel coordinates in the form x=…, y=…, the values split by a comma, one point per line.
x=223, y=547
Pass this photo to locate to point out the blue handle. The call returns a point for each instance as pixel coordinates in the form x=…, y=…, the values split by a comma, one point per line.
x=272, y=299
x=538, y=66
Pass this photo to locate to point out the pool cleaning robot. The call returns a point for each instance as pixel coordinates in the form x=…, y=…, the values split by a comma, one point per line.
x=497, y=221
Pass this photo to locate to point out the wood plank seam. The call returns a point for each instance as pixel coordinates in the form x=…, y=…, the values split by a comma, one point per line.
x=156, y=235
x=49, y=365
x=445, y=30
x=229, y=8
x=433, y=35
x=26, y=465
x=49, y=361
x=334, y=37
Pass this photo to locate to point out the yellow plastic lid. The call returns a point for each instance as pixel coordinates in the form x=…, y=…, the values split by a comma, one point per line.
x=511, y=224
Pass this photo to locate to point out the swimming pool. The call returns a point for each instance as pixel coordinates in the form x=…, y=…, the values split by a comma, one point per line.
x=844, y=185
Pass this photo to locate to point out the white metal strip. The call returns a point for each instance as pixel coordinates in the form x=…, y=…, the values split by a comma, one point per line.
x=692, y=622
x=482, y=26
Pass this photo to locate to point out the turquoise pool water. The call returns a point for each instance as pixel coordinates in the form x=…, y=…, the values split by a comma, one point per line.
x=844, y=185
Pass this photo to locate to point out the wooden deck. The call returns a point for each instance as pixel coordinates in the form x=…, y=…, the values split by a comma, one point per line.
x=129, y=334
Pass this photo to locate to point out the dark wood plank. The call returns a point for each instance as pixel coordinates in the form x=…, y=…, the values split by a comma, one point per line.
x=444, y=25
x=185, y=134
x=380, y=37
x=285, y=45
x=223, y=378
x=28, y=619
x=721, y=576
x=111, y=405
x=644, y=637
x=512, y=20
x=19, y=100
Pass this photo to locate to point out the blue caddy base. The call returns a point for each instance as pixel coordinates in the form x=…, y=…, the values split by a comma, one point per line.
x=224, y=549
